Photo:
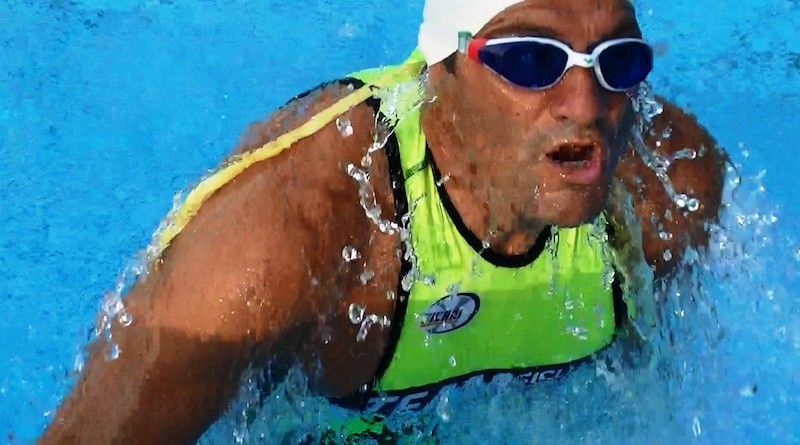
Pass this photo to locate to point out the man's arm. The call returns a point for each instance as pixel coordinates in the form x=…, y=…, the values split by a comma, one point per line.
x=665, y=226
x=254, y=276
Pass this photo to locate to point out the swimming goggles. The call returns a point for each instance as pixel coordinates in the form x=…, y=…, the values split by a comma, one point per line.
x=539, y=63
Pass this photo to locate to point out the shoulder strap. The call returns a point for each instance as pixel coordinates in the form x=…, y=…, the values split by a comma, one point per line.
x=177, y=219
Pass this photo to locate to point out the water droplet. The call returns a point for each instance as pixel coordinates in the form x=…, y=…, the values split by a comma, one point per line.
x=356, y=313
x=693, y=204
x=125, y=318
x=387, y=227
x=696, y=427
x=748, y=390
x=452, y=361
x=579, y=332
x=112, y=352
x=476, y=270
x=453, y=289
x=390, y=295
x=365, y=325
x=429, y=280
x=385, y=321
x=443, y=409
x=442, y=180
x=680, y=201
x=365, y=276
x=686, y=153
x=326, y=333
x=745, y=152
x=356, y=173
x=366, y=161
x=664, y=236
x=408, y=280
x=366, y=197
x=381, y=136
x=350, y=253
x=77, y=365
x=344, y=126
x=741, y=220
x=667, y=255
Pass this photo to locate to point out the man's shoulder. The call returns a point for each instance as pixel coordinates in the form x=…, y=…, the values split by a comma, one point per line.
x=317, y=170
x=305, y=107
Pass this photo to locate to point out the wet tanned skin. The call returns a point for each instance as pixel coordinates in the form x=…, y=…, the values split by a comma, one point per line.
x=257, y=276
x=492, y=137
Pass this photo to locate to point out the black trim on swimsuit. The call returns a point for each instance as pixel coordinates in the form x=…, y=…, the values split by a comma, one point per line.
x=497, y=259
x=620, y=306
x=517, y=261
x=397, y=179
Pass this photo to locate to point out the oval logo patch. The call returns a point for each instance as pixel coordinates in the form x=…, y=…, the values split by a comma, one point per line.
x=450, y=313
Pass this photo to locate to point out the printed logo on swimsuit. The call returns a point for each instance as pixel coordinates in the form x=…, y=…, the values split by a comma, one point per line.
x=450, y=313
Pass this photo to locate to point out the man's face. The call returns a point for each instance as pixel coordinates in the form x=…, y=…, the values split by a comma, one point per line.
x=522, y=145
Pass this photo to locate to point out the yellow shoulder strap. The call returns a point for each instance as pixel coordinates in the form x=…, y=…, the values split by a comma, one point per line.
x=181, y=214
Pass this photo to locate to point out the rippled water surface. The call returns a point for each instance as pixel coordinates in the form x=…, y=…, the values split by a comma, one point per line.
x=107, y=108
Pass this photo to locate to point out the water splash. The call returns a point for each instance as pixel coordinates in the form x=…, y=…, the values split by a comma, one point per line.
x=365, y=277
x=678, y=387
x=647, y=108
x=413, y=275
x=367, y=323
x=366, y=196
x=356, y=313
x=113, y=309
x=443, y=408
x=551, y=247
x=344, y=126
x=350, y=254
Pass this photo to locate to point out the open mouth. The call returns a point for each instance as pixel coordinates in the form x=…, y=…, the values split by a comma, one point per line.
x=573, y=155
x=577, y=161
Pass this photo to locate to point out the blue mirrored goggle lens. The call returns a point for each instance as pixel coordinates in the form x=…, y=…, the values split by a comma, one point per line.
x=540, y=65
x=625, y=65
x=527, y=64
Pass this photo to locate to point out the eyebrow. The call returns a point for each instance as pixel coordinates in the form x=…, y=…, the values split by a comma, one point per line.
x=521, y=29
x=626, y=28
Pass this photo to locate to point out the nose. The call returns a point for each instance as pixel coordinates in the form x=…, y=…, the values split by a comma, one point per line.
x=579, y=98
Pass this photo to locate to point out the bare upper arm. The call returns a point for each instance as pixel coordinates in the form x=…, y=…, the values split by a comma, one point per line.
x=262, y=262
x=666, y=227
x=256, y=274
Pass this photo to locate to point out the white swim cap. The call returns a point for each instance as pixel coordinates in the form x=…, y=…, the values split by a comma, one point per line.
x=442, y=20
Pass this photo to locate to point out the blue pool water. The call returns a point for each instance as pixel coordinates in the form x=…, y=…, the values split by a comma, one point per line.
x=108, y=107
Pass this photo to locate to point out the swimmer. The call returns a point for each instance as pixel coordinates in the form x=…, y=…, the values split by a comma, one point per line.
x=481, y=214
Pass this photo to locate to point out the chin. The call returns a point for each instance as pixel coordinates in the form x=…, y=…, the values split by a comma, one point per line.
x=574, y=220
x=571, y=209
